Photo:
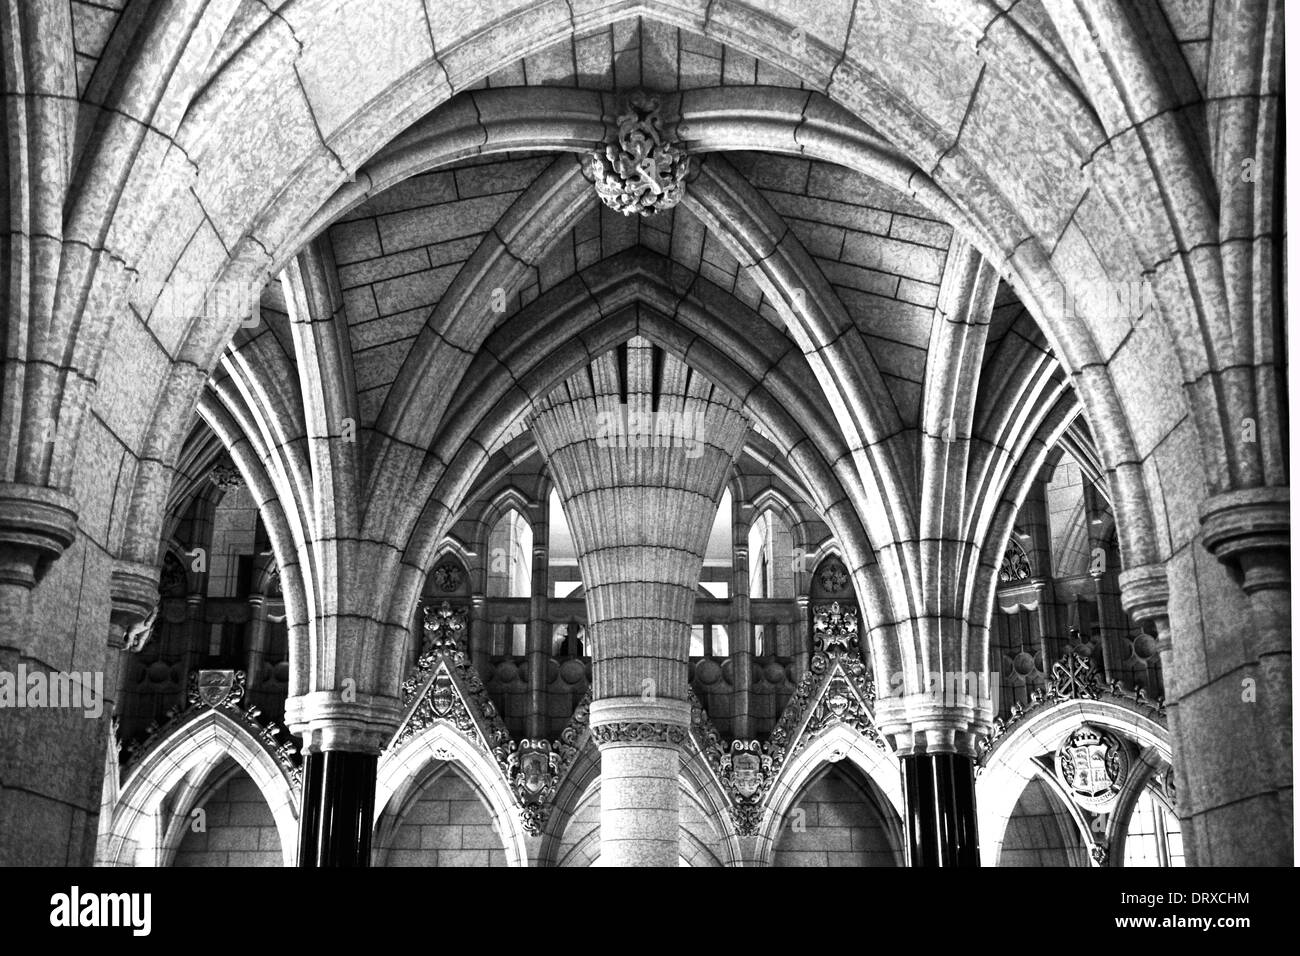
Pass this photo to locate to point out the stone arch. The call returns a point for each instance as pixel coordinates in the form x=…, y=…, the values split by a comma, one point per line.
x=662, y=315
x=504, y=501
x=1015, y=38
x=136, y=833
x=837, y=742
x=1009, y=765
x=400, y=770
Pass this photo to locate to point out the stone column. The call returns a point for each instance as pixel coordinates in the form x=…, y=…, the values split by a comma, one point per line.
x=639, y=447
x=256, y=651
x=45, y=750
x=1249, y=532
x=539, y=627
x=741, y=627
x=939, y=791
x=343, y=734
x=479, y=652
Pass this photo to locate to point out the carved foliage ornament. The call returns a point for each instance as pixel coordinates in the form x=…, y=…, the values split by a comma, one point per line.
x=643, y=171
x=226, y=476
x=1015, y=564
x=444, y=681
x=639, y=732
x=448, y=576
x=833, y=578
x=1092, y=764
x=835, y=630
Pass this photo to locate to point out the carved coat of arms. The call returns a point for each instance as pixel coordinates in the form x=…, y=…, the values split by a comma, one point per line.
x=213, y=688
x=746, y=772
x=1092, y=765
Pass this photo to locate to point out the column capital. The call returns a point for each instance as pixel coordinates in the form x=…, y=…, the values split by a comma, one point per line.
x=37, y=524
x=1249, y=530
x=918, y=723
x=1144, y=592
x=327, y=721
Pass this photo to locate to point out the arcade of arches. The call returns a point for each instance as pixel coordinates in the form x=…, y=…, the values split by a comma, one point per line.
x=464, y=433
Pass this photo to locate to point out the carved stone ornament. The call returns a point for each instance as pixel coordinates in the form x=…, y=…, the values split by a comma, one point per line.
x=226, y=476
x=836, y=689
x=1074, y=677
x=639, y=732
x=139, y=634
x=217, y=688
x=220, y=690
x=443, y=628
x=533, y=772
x=1099, y=852
x=834, y=577
x=448, y=576
x=1092, y=764
x=835, y=630
x=1015, y=564
x=643, y=172
x=446, y=687
x=747, y=775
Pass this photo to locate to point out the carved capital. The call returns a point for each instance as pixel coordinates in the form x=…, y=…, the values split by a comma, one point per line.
x=36, y=526
x=326, y=720
x=1249, y=530
x=917, y=723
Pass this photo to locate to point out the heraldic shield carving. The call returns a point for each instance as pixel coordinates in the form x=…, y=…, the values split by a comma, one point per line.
x=214, y=688
x=533, y=771
x=1092, y=764
x=747, y=774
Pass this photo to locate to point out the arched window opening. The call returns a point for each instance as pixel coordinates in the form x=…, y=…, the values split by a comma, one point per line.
x=772, y=563
x=510, y=575
x=1154, y=837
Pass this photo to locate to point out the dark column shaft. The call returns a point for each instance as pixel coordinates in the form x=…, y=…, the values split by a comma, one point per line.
x=338, y=808
x=940, y=792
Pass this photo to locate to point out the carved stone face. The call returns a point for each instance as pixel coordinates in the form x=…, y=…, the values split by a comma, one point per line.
x=838, y=698
x=745, y=768
x=444, y=695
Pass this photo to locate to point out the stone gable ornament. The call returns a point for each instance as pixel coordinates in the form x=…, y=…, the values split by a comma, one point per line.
x=835, y=630
x=448, y=576
x=643, y=171
x=442, y=631
x=834, y=577
x=1092, y=764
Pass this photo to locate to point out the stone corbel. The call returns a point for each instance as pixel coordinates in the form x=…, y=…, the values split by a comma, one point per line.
x=1144, y=593
x=36, y=526
x=1250, y=532
x=133, y=590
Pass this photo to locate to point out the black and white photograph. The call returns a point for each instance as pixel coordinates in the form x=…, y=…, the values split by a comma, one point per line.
x=675, y=433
